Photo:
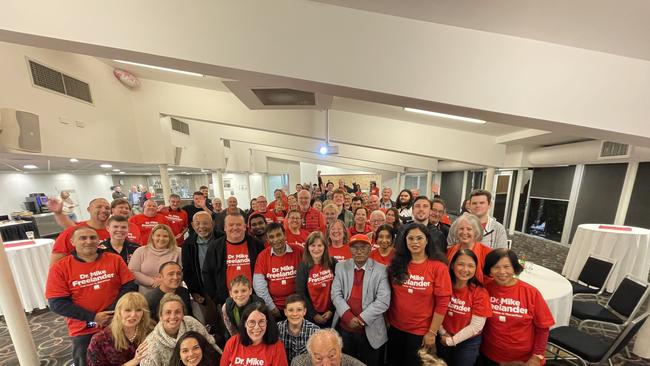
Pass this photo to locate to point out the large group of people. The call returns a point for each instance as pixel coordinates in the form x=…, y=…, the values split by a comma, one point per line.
x=323, y=276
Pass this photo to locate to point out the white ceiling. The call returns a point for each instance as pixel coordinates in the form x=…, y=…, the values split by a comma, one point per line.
x=620, y=28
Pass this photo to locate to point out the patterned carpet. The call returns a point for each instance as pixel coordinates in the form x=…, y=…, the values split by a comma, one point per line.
x=54, y=347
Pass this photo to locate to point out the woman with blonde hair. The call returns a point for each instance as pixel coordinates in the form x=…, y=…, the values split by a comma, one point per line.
x=146, y=261
x=123, y=341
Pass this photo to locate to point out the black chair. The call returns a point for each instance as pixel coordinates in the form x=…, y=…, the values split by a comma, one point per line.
x=593, y=277
x=620, y=308
x=588, y=348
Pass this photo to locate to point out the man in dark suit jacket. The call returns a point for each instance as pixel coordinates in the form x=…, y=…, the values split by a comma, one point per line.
x=361, y=295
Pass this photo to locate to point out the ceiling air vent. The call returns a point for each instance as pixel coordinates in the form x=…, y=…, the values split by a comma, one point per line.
x=285, y=97
x=614, y=150
x=61, y=83
x=180, y=126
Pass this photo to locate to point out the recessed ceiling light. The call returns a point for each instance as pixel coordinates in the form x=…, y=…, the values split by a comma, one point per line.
x=444, y=115
x=30, y=166
x=122, y=173
x=116, y=170
x=106, y=166
x=73, y=160
x=159, y=68
x=170, y=169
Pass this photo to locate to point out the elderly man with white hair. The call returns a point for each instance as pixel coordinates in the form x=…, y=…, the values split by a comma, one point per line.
x=325, y=348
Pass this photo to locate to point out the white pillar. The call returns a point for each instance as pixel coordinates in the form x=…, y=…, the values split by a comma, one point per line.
x=248, y=186
x=399, y=182
x=573, y=201
x=515, y=200
x=626, y=192
x=164, y=180
x=428, y=192
x=217, y=179
x=489, y=180
x=21, y=337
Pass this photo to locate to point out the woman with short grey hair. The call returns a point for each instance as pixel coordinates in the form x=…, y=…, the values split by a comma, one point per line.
x=468, y=232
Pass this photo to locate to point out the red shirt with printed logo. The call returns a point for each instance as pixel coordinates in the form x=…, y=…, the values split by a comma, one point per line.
x=377, y=257
x=425, y=291
x=134, y=233
x=280, y=272
x=509, y=333
x=146, y=224
x=63, y=242
x=237, y=262
x=92, y=286
x=178, y=222
x=298, y=239
x=236, y=354
x=340, y=254
x=319, y=287
x=465, y=302
x=481, y=252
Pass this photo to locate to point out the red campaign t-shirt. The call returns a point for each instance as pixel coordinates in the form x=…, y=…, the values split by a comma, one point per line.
x=178, y=222
x=340, y=254
x=146, y=224
x=92, y=286
x=63, y=242
x=509, y=333
x=353, y=230
x=481, y=252
x=134, y=233
x=319, y=287
x=465, y=302
x=413, y=302
x=236, y=354
x=299, y=239
x=237, y=262
x=269, y=216
x=280, y=272
x=377, y=257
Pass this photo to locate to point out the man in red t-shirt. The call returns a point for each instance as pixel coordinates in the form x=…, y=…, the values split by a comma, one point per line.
x=84, y=287
x=312, y=219
x=177, y=218
x=261, y=208
x=275, y=270
x=148, y=219
x=99, y=211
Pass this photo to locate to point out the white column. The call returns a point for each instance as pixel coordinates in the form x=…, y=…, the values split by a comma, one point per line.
x=515, y=200
x=428, y=192
x=463, y=191
x=248, y=186
x=164, y=180
x=489, y=179
x=217, y=179
x=399, y=182
x=573, y=201
x=626, y=192
x=21, y=337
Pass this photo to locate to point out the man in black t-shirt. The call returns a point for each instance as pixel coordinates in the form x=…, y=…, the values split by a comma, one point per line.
x=171, y=277
x=198, y=204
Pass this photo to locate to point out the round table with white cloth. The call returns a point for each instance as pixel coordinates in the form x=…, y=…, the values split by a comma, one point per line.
x=629, y=246
x=30, y=262
x=555, y=289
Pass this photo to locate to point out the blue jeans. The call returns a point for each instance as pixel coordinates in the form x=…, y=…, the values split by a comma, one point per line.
x=463, y=354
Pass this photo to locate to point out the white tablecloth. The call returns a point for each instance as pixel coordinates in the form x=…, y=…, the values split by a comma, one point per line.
x=557, y=291
x=30, y=264
x=630, y=249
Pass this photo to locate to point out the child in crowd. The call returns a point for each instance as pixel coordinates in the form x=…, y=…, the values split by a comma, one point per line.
x=241, y=295
x=295, y=330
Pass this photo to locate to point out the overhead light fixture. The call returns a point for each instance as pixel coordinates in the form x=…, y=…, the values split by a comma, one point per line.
x=30, y=166
x=328, y=150
x=73, y=160
x=170, y=169
x=444, y=115
x=159, y=68
x=122, y=173
x=106, y=166
x=116, y=170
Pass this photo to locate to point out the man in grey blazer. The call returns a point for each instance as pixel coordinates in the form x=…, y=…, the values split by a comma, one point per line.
x=361, y=295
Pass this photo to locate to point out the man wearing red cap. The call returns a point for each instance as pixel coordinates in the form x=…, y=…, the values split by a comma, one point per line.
x=361, y=296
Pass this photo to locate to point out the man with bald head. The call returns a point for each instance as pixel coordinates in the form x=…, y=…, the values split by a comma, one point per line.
x=373, y=203
x=148, y=219
x=85, y=286
x=325, y=348
x=231, y=208
x=99, y=210
x=312, y=219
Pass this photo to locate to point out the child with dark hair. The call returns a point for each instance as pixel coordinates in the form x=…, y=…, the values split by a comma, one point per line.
x=295, y=330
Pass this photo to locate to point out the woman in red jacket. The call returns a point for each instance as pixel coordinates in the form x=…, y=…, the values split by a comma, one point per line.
x=520, y=322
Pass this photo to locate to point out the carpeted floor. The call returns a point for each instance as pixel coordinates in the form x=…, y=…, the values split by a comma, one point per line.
x=54, y=348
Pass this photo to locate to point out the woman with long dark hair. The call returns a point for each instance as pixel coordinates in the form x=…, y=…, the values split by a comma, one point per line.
x=393, y=218
x=385, y=241
x=460, y=333
x=192, y=349
x=421, y=289
x=404, y=206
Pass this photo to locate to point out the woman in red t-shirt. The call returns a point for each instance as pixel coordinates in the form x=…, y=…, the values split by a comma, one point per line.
x=468, y=231
x=460, y=334
x=293, y=231
x=519, y=326
x=314, y=280
x=360, y=222
x=385, y=250
x=421, y=289
x=337, y=239
x=258, y=341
